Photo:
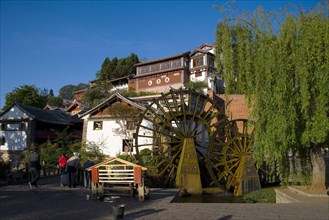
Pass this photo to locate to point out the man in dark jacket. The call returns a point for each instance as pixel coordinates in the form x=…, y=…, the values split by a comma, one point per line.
x=34, y=169
x=87, y=174
x=73, y=165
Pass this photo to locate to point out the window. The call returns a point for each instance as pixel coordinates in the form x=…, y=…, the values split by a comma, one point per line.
x=211, y=62
x=145, y=69
x=10, y=127
x=176, y=63
x=127, y=145
x=198, y=74
x=98, y=125
x=165, y=66
x=197, y=61
x=154, y=67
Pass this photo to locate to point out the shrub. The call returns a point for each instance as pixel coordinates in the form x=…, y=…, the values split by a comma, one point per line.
x=5, y=167
x=265, y=195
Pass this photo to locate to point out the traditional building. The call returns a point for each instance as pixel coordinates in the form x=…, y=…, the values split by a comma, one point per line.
x=112, y=132
x=23, y=125
x=174, y=71
x=203, y=67
x=161, y=74
x=75, y=108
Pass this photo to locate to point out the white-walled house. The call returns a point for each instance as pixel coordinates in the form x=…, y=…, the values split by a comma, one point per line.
x=23, y=125
x=202, y=67
x=102, y=128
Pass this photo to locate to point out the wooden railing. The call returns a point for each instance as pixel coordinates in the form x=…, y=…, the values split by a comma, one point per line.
x=116, y=174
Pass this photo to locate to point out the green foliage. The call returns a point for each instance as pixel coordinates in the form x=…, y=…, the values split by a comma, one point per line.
x=130, y=93
x=66, y=92
x=97, y=94
x=128, y=157
x=33, y=96
x=51, y=152
x=28, y=95
x=199, y=85
x=92, y=151
x=116, y=68
x=265, y=195
x=145, y=156
x=55, y=101
x=283, y=68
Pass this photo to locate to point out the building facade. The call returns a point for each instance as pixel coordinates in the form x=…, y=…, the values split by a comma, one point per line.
x=23, y=125
x=110, y=130
x=161, y=74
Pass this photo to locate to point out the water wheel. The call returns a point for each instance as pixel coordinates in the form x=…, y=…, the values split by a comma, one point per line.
x=178, y=128
x=231, y=156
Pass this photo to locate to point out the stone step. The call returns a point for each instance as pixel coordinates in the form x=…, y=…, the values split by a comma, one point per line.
x=298, y=194
x=287, y=196
x=303, y=190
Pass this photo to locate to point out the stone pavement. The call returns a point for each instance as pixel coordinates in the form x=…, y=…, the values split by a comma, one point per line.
x=50, y=201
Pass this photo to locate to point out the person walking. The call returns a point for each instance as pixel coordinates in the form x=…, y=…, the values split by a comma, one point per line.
x=87, y=174
x=62, y=163
x=73, y=164
x=34, y=169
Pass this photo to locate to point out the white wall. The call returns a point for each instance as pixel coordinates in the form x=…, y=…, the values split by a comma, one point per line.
x=145, y=142
x=109, y=142
x=16, y=139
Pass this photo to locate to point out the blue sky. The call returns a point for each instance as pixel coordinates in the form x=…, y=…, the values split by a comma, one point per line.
x=51, y=44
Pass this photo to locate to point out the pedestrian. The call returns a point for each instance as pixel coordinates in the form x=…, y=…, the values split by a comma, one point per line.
x=62, y=166
x=34, y=169
x=73, y=165
x=62, y=163
x=87, y=174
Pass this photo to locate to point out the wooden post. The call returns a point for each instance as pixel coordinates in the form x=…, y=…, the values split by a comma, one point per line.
x=138, y=179
x=141, y=192
x=94, y=181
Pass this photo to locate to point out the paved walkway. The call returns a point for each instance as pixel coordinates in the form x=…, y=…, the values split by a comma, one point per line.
x=50, y=201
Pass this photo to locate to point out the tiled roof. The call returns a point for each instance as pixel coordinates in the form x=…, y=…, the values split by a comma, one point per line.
x=114, y=97
x=49, y=116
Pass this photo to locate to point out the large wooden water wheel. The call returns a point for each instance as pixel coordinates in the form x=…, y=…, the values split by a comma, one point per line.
x=178, y=128
x=230, y=153
x=193, y=143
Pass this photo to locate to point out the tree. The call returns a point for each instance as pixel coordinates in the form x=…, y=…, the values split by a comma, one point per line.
x=97, y=94
x=283, y=68
x=55, y=101
x=80, y=86
x=51, y=93
x=115, y=68
x=66, y=92
x=104, y=73
x=126, y=117
x=28, y=95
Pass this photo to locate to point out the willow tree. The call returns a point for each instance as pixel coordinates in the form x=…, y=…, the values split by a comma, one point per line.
x=283, y=68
